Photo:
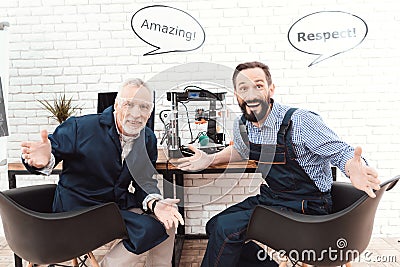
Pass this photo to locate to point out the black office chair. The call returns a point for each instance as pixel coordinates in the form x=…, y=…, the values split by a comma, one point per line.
x=309, y=239
x=39, y=236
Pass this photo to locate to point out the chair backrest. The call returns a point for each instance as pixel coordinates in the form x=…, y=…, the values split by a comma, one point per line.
x=36, y=198
x=36, y=234
x=344, y=195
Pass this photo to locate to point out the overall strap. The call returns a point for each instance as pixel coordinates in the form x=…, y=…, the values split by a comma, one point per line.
x=285, y=126
x=243, y=130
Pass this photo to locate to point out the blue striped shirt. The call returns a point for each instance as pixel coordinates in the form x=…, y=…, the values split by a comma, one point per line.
x=316, y=146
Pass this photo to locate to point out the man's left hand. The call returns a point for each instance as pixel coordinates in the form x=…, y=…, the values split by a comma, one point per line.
x=363, y=177
x=167, y=212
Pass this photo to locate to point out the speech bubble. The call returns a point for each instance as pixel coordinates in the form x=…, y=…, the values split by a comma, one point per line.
x=168, y=29
x=327, y=34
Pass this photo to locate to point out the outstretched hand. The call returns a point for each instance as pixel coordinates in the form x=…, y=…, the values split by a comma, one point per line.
x=363, y=177
x=167, y=212
x=37, y=154
x=199, y=161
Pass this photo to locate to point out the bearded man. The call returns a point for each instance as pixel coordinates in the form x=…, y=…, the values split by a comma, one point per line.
x=294, y=149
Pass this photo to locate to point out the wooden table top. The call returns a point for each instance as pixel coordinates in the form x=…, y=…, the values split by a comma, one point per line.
x=18, y=166
x=163, y=163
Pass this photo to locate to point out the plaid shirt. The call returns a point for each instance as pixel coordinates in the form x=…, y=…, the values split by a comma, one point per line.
x=316, y=146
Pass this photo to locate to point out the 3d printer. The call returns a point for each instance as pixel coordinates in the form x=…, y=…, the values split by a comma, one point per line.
x=205, y=113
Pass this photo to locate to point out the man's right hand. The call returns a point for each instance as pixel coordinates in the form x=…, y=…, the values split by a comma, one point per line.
x=37, y=154
x=363, y=177
x=199, y=161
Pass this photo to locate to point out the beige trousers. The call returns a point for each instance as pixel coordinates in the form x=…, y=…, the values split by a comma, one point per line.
x=159, y=256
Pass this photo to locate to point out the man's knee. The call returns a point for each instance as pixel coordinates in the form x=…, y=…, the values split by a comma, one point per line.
x=118, y=255
x=210, y=226
x=161, y=255
x=227, y=230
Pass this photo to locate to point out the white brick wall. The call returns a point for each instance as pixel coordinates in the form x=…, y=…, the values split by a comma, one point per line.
x=84, y=47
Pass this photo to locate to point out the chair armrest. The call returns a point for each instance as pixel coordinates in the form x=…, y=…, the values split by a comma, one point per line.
x=36, y=198
x=391, y=183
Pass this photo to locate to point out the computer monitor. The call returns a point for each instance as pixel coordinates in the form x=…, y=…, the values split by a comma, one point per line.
x=104, y=100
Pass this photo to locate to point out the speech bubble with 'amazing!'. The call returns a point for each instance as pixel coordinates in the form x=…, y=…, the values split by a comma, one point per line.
x=168, y=29
x=327, y=34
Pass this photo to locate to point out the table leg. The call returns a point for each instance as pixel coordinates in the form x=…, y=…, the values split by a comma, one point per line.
x=17, y=261
x=180, y=237
x=168, y=191
x=12, y=181
x=13, y=184
x=179, y=241
x=180, y=195
x=168, y=185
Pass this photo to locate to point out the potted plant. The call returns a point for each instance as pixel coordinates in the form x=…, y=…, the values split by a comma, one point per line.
x=61, y=109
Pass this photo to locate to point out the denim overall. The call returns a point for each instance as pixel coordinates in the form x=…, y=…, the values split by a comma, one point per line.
x=288, y=187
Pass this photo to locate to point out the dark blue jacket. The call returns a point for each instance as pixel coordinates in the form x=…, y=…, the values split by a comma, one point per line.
x=94, y=173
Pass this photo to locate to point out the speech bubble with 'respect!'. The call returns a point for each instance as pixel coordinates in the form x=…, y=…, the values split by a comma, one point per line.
x=327, y=33
x=167, y=29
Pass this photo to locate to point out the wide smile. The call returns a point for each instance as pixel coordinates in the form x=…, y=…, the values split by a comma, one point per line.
x=253, y=105
x=133, y=123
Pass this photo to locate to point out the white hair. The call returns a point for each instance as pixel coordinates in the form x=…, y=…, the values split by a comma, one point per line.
x=135, y=82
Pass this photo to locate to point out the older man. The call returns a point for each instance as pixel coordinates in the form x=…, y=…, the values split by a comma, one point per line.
x=103, y=154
